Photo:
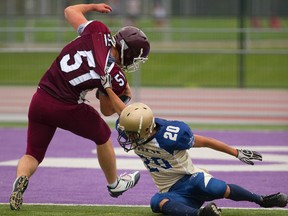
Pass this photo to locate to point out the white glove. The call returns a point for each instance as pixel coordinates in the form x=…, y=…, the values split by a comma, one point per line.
x=246, y=156
x=106, y=81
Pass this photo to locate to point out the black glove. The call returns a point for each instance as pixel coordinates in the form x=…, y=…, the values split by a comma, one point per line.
x=125, y=99
x=246, y=156
x=106, y=81
x=99, y=92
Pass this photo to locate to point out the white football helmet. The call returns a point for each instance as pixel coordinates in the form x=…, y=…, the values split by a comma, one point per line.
x=136, y=124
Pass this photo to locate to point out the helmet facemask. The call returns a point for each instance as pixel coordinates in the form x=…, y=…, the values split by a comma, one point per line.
x=136, y=61
x=129, y=140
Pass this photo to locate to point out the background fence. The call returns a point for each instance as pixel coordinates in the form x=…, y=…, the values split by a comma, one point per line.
x=195, y=43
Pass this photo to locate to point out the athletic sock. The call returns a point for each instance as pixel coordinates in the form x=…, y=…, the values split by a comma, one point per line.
x=238, y=193
x=178, y=209
x=114, y=184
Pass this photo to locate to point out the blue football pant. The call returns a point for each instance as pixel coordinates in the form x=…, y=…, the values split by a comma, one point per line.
x=192, y=190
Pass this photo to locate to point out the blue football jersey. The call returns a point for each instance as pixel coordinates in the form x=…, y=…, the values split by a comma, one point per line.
x=165, y=154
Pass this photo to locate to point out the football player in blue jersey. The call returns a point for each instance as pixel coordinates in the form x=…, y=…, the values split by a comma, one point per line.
x=183, y=187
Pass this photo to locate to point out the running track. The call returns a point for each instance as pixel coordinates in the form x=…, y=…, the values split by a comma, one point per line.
x=211, y=106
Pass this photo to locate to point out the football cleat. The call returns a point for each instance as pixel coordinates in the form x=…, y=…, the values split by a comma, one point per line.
x=274, y=200
x=210, y=210
x=125, y=182
x=19, y=187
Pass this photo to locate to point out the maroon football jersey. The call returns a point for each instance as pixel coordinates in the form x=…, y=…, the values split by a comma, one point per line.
x=78, y=67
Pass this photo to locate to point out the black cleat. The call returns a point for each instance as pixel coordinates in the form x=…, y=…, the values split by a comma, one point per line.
x=19, y=187
x=209, y=210
x=274, y=200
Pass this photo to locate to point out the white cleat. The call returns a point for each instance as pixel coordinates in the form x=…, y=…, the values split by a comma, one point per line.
x=125, y=182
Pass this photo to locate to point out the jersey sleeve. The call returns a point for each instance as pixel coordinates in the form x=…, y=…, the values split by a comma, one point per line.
x=185, y=139
x=175, y=135
x=92, y=27
x=119, y=81
x=81, y=28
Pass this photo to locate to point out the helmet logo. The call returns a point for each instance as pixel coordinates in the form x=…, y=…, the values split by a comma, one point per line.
x=123, y=47
x=140, y=124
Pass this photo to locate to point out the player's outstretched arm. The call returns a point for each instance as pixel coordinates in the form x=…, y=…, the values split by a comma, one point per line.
x=201, y=141
x=127, y=94
x=75, y=14
x=244, y=155
x=117, y=104
x=106, y=105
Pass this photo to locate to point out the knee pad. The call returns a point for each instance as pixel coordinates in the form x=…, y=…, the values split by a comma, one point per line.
x=216, y=188
x=154, y=202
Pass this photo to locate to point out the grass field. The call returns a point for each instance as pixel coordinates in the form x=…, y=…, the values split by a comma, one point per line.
x=162, y=69
x=144, y=23
x=165, y=69
x=60, y=210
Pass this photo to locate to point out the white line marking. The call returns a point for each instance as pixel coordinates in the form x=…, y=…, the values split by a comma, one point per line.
x=127, y=206
x=277, y=161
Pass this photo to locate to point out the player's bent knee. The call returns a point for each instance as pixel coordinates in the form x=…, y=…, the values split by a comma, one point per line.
x=227, y=192
x=157, y=201
x=216, y=188
x=163, y=202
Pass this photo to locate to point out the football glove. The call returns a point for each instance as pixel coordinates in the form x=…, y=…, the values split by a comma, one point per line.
x=247, y=156
x=125, y=99
x=106, y=81
x=99, y=92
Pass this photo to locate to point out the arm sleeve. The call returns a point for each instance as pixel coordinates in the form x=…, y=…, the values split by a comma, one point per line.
x=91, y=27
x=81, y=28
x=180, y=140
x=185, y=139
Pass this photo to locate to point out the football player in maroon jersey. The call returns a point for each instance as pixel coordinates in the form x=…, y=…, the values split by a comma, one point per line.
x=93, y=60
